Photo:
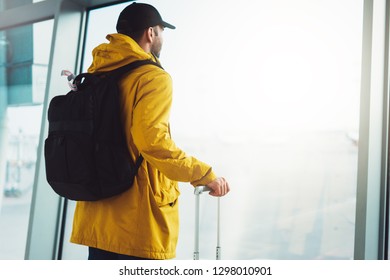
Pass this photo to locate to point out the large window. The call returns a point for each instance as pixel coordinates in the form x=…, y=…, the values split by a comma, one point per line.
x=267, y=92
x=24, y=56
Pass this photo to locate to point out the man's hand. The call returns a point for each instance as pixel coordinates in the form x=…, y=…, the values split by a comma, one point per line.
x=219, y=187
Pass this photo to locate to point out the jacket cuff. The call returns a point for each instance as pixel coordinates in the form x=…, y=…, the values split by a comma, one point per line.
x=209, y=177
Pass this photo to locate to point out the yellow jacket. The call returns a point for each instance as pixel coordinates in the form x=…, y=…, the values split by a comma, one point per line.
x=144, y=220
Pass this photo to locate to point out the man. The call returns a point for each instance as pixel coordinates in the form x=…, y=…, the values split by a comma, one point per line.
x=143, y=222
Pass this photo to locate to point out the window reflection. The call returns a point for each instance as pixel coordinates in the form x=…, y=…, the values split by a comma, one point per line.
x=24, y=57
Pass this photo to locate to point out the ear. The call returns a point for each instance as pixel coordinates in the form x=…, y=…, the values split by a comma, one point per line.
x=149, y=34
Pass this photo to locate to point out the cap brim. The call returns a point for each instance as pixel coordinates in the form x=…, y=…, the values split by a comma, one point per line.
x=167, y=25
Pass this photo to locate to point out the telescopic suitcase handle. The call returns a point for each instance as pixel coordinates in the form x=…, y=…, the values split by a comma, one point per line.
x=198, y=191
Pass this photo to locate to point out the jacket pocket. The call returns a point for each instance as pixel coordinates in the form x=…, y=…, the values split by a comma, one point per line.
x=167, y=191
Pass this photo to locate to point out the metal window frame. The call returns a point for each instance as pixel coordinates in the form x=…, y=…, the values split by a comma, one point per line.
x=371, y=229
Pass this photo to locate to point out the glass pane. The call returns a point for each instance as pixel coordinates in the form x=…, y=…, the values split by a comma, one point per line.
x=267, y=92
x=24, y=57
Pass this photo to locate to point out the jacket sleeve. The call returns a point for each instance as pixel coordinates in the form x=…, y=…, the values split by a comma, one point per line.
x=152, y=137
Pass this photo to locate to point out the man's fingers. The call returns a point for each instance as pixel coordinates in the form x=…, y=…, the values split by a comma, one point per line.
x=220, y=187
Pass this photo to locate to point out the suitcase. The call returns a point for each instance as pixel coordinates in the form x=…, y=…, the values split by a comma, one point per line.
x=198, y=191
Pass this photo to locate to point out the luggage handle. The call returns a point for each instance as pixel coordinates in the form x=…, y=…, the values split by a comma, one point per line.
x=198, y=191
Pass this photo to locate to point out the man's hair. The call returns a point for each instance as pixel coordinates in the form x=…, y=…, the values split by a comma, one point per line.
x=137, y=35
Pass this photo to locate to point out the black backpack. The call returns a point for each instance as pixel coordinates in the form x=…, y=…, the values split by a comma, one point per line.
x=86, y=154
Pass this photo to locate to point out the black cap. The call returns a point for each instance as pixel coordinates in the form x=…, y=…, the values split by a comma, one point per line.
x=138, y=16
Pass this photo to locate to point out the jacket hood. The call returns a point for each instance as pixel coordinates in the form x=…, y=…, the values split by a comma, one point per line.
x=120, y=50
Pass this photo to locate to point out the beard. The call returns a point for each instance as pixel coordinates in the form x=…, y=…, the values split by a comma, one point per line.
x=156, y=48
